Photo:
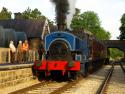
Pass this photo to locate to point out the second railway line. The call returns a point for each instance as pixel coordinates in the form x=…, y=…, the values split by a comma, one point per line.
x=114, y=82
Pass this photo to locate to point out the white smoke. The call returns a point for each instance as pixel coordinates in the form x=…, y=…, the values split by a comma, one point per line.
x=71, y=12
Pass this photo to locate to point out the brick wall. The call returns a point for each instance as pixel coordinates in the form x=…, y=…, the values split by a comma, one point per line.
x=16, y=76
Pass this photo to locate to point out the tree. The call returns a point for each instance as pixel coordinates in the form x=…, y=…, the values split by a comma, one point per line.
x=116, y=53
x=76, y=22
x=122, y=28
x=102, y=34
x=77, y=12
x=33, y=14
x=36, y=14
x=89, y=21
x=50, y=22
x=27, y=13
x=5, y=14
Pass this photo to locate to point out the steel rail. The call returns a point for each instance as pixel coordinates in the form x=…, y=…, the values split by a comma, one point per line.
x=122, y=67
x=24, y=90
x=67, y=86
x=105, y=82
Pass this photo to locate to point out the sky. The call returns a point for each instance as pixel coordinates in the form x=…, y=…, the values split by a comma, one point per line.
x=109, y=11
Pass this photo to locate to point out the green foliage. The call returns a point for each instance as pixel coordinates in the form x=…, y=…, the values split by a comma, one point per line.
x=123, y=20
x=122, y=28
x=27, y=13
x=77, y=12
x=115, y=53
x=101, y=34
x=5, y=14
x=33, y=14
x=89, y=21
x=76, y=21
x=50, y=22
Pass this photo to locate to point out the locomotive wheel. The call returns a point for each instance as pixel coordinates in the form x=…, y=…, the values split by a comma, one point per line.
x=41, y=75
x=73, y=75
x=56, y=75
x=66, y=76
x=34, y=72
x=86, y=69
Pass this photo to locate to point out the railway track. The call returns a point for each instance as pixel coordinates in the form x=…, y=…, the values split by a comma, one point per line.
x=66, y=87
x=48, y=87
x=122, y=67
x=114, y=82
x=87, y=85
x=105, y=82
x=35, y=86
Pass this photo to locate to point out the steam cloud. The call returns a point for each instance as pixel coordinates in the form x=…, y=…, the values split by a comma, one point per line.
x=62, y=7
x=71, y=12
x=65, y=10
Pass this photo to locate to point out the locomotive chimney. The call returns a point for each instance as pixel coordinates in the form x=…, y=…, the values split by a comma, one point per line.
x=61, y=27
x=18, y=15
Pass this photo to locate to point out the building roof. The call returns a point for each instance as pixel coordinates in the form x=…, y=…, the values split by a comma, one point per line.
x=32, y=28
